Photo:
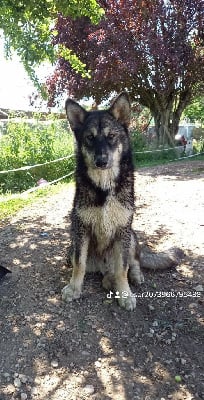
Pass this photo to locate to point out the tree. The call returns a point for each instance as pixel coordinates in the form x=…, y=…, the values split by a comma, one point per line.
x=152, y=48
x=27, y=28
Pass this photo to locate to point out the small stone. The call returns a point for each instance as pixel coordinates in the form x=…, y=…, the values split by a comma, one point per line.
x=23, y=378
x=97, y=364
x=151, y=331
x=199, y=288
x=183, y=361
x=24, y=396
x=54, y=364
x=121, y=353
x=193, y=305
x=151, y=308
x=89, y=389
x=85, y=353
x=34, y=391
x=17, y=383
x=155, y=324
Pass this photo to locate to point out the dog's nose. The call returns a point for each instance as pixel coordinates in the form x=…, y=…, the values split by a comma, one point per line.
x=101, y=160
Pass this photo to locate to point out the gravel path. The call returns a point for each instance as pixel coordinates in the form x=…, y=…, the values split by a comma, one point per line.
x=91, y=348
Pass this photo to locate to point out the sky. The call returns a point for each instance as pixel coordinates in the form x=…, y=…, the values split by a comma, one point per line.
x=15, y=85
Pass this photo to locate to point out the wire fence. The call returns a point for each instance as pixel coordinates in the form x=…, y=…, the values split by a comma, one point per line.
x=47, y=184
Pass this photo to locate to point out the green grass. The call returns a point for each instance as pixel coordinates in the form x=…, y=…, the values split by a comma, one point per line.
x=153, y=160
x=10, y=205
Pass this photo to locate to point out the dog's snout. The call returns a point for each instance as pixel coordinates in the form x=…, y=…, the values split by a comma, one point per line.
x=101, y=160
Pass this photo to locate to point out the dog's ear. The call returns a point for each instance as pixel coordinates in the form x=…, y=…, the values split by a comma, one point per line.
x=121, y=110
x=75, y=114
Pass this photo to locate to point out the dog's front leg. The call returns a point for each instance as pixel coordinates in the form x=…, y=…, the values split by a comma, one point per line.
x=73, y=289
x=126, y=298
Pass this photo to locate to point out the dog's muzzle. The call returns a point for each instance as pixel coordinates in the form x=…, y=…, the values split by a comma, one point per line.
x=101, y=161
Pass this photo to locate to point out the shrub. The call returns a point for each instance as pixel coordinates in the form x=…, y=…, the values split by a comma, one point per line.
x=29, y=144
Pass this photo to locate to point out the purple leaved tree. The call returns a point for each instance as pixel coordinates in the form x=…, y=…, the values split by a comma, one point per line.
x=152, y=48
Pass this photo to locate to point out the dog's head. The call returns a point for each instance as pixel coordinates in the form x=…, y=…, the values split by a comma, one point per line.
x=102, y=136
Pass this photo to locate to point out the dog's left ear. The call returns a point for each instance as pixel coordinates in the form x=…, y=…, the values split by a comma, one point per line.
x=121, y=110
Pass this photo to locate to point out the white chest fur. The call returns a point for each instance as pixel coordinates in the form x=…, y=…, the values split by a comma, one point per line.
x=104, y=221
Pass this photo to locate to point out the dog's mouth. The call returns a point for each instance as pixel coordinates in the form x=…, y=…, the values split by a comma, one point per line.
x=102, y=167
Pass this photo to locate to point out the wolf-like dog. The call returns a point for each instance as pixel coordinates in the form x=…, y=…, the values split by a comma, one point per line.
x=101, y=219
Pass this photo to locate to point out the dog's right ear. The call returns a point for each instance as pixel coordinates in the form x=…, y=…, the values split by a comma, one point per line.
x=76, y=114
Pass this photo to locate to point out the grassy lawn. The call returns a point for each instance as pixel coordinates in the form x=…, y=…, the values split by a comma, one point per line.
x=152, y=161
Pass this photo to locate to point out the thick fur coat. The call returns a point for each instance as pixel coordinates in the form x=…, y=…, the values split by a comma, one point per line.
x=103, y=209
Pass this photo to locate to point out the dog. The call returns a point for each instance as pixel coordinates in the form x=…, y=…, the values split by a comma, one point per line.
x=101, y=219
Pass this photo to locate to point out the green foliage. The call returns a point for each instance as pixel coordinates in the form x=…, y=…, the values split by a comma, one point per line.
x=138, y=141
x=144, y=155
x=75, y=62
x=26, y=144
x=195, y=111
x=198, y=145
x=27, y=28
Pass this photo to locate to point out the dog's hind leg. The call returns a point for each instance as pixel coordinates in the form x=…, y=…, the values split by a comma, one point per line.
x=126, y=298
x=73, y=289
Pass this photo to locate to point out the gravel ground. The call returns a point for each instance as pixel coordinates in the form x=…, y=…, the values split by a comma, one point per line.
x=92, y=349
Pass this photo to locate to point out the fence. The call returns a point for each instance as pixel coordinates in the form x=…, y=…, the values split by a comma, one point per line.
x=46, y=184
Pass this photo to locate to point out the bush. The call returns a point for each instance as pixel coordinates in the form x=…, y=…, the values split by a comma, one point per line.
x=138, y=141
x=29, y=144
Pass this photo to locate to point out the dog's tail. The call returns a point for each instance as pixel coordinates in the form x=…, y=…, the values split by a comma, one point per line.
x=163, y=260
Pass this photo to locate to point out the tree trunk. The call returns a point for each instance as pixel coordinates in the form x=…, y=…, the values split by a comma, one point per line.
x=162, y=120
x=167, y=119
x=166, y=110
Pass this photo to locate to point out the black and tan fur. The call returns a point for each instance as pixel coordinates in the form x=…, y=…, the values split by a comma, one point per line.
x=102, y=236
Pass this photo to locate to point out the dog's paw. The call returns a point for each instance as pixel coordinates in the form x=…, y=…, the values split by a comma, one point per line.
x=129, y=303
x=70, y=293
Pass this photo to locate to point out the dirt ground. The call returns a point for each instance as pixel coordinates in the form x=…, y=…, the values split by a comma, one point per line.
x=92, y=349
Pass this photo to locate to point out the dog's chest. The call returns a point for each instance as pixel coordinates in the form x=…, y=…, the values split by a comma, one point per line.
x=104, y=221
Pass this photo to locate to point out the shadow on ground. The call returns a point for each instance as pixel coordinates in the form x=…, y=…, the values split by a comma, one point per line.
x=183, y=170
x=91, y=348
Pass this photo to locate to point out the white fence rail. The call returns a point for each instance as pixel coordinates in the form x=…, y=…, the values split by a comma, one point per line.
x=27, y=167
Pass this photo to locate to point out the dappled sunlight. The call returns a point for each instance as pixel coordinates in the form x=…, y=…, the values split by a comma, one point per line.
x=185, y=270
x=70, y=350
x=54, y=301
